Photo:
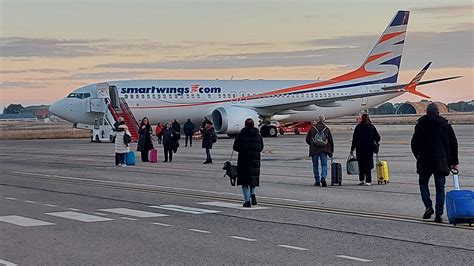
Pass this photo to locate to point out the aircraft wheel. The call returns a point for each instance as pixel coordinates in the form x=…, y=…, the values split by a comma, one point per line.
x=272, y=131
x=264, y=131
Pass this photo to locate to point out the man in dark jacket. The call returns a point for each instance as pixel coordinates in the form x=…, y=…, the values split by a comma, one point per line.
x=321, y=145
x=435, y=148
x=188, y=129
x=249, y=145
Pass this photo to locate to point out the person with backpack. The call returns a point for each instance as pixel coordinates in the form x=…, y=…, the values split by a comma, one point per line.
x=321, y=145
x=145, y=143
x=168, y=142
x=365, y=141
x=188, y=129
x=122, y=141
x=249, y=145
x=209, y=137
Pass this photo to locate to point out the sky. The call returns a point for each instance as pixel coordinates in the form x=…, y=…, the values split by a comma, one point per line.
x=51, y=47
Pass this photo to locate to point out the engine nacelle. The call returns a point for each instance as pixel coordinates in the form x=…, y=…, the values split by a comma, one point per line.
x=231, y=120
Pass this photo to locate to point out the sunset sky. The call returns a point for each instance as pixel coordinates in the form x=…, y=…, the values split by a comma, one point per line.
x=50, y=47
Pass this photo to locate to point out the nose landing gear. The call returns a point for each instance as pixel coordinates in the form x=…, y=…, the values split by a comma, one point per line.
x=268, y=131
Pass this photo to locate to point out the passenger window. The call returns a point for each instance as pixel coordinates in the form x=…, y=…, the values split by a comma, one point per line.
x=228, y=95
x=223, y=96
x=158, y=96
x=218, y=96
x=126, y=96
x=148, y=96
x=198, y=96
x=153, y=96
x=192, y=96
x=209, y=96
x=131, y=96
x=164, y=96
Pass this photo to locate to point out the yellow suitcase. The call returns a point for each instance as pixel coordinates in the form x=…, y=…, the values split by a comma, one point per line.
x=383, y=176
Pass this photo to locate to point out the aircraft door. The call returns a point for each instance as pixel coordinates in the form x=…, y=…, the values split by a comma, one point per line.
x=114, y=97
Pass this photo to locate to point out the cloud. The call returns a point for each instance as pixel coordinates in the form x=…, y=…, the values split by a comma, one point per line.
x=30, y=47
x=34, y=70
x=106, y=75
x=20, y=85
x=445, y=49
x=447, y=10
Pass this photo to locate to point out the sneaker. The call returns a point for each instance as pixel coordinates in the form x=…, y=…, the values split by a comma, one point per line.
x=317, y=184
x=206, y=162
x=438, y=219
x=362, y=183
x=124, y=165
x=428, y=212
x=247, y=204
x=367, y=184
x=323, y=183
x=254, y=199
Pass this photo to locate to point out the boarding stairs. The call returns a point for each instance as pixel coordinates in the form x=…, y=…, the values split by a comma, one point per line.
x=112, y=114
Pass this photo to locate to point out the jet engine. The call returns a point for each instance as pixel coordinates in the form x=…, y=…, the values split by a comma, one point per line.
x=232, y=119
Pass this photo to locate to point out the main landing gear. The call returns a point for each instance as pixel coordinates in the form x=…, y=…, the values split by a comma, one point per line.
x=268, y=131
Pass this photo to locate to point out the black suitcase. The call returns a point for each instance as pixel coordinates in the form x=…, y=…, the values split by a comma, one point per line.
x=336, y=173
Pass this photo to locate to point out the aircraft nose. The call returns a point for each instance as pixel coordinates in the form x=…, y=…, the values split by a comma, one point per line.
x=59, y=108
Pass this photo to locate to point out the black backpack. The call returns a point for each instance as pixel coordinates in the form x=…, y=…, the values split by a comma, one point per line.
x=127, y=139
x=214, y=137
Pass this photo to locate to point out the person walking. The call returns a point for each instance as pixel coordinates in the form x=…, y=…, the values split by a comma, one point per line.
x=249, y=145
x=321, y=145
x=435, y=148
x=365, y=141
x=121, y=147
x=176, y=126
x=188, y=129
x=145, y=143
x=158, y=129
x=208, y=138
x=168, y=142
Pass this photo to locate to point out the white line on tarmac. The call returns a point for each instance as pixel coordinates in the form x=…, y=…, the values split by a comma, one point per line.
x=8, y=198
x=7, y=263
x=29, y=201
x=199, y=231
x=99, y=213
x=74, y=209
x=79, y=216
x=292, y=247
x=50, y=205
x=23, y=221
x=132, y=212
x=162, y=224
x=128, y=218
x=352, y=258
x=243, y=238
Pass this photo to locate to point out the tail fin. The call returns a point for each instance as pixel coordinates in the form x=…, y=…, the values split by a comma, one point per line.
x=383, y=62
x=411, y=87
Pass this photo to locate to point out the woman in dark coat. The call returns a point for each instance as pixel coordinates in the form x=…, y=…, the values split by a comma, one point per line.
x=145, y=131
x=168, y=141
x=249, y=145
x=208, y=137
x=365, y=141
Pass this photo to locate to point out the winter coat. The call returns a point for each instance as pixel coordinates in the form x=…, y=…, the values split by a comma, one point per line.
x=176, y=127
x=144, y=139
x=207, y=136
x=316, y=150
x=168, y=136
x=188, y=128
x=249, y=145
x=434, y=145
x=364, y=142
x=120, y=146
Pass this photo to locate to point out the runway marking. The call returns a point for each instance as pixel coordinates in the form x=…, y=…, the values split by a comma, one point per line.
x=184, y=209
x=128, y=218
x=161, y=224
x=7, y=263
x=30, y=201
x=199, y=231
x=135, y=213
x=352, y=258
x=74, y=209
x=23, y=221
x=79, y=216
x=243, y=238
x=99, y=213
x=9, y=198
x=50, y=205
x=293, y=247
x=231, y=205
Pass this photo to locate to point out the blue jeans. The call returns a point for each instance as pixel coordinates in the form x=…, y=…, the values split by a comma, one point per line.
x=122, y=158
x=248, y=190
x=324, y=166
x=440, y=181
x=208, y=155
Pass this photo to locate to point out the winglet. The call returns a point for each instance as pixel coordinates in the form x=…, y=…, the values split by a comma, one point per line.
x=411, y=87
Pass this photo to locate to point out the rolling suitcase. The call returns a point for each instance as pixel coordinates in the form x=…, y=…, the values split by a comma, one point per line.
x=459, y=203
x=153, y=156
x=130, y=158
x=383, y=176
x=336, y=173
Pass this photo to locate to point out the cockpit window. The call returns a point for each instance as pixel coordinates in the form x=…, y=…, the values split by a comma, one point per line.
x=79, y=95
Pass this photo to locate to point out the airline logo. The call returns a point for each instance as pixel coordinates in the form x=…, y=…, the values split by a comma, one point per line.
x=194, y=88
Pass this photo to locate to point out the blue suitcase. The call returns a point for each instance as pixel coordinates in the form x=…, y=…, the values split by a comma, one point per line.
x=460, y=204
x=130, y=158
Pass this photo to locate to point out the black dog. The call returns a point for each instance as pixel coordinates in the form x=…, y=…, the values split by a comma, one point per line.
x=231, y=172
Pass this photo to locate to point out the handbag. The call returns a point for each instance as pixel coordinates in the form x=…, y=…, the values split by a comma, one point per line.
x=352, y=166
x=230, y=171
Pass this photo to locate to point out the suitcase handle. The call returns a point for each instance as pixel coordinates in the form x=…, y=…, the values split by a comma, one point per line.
x=456, y=179
x=454, y=171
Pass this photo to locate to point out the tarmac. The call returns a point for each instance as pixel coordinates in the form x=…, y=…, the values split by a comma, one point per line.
x=65, y=202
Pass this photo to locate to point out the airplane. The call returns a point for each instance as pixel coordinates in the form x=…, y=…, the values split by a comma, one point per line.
x=228, y=103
